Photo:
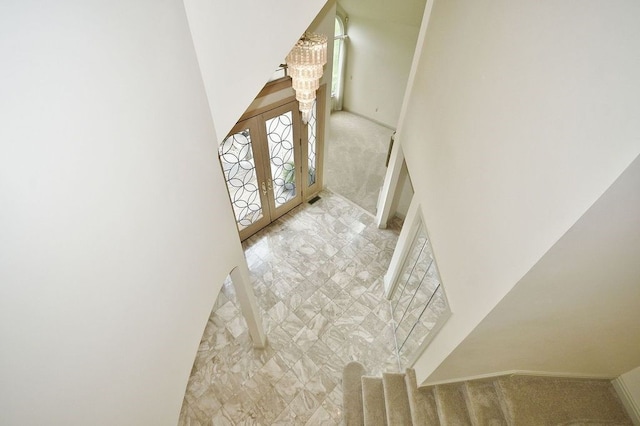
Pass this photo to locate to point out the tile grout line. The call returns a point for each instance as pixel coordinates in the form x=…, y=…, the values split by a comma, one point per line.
x=327, y=403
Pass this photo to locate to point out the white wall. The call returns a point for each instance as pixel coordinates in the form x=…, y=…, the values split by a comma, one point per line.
x=576, y=311
x=231, y=51
x=324, y=23
x=520, y=116
x=404, y=194
x=382, y=39
x=113, y=238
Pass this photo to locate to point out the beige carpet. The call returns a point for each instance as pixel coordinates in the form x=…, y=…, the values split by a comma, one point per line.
x=396, y=399
x=506, y=400
x=352, y=392
x=357, y=152
x=375, y=412
x=541, y=400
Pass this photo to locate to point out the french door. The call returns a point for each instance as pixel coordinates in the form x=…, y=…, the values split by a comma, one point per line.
x=262, y=163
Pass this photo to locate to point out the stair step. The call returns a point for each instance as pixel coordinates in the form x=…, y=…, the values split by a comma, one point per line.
x=484, y=403
x=428, y=398
x=396, y=399
x=452, y=407
x=352, y=394
x=543, y=400
x=373, y=401
x=421, y=401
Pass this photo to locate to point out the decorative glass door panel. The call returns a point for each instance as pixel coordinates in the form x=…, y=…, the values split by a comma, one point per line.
x=240, y=166
x=312, y=146
x=261, y=160
x=281, y=159
x=283, y=145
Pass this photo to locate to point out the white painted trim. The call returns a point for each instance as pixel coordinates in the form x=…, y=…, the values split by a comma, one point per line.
x=630, y=404
x=248, y=306
x=518, y=373
x=403, y=247
x=390, y=185
x=373, y=120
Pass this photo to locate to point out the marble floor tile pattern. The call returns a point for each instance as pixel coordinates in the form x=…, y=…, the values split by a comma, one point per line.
x=317, y=274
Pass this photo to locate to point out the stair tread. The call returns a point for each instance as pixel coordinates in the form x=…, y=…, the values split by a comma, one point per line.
x=373, y=401
x=532, y=400
x=421, y=401
x=352, y=394
x=396, y=399
x=484, y=403
x=452, y=407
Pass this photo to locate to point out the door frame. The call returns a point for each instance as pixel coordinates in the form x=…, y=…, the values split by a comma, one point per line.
x=311, y=190
x=276, y=96
x=251, y=124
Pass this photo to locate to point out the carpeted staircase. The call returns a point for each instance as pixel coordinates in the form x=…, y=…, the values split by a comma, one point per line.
x=395, y=399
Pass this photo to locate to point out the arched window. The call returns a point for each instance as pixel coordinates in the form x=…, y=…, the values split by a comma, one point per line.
x=339, y=55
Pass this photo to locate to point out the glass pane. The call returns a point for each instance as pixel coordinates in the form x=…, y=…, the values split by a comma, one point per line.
x=283, y=167
x=311, y=136
x=418, y=302
x=431, y=314
x=239, y=169
x=414, y=270
x=337, y=54
x=335, y=77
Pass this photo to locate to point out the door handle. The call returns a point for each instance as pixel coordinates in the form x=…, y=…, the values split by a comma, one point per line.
x=269, y=185
x=264, y=189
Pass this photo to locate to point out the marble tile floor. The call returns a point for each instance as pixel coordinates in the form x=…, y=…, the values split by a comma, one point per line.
x=317, y=274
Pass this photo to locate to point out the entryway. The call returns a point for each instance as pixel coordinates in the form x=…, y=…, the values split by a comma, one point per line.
x=317, y=277
x=270, y=162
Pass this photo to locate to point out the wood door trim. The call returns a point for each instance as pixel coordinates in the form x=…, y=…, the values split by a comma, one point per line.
x=275, y=86
x=258, y=115
x=314, y=189
x=264, y=109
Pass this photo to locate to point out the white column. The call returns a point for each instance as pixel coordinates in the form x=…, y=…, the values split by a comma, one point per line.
x=403, y=246
x=248, y=305
x=390, y=185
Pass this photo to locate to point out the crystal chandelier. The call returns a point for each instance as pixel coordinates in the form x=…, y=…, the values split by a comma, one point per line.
x=305, y=63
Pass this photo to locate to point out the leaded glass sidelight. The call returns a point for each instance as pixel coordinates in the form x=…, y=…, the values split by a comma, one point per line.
x=238, y=164
x=311, y=136
x=281, y=157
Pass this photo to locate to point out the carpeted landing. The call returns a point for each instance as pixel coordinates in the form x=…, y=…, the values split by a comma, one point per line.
x=355, y=163
x=395, y=399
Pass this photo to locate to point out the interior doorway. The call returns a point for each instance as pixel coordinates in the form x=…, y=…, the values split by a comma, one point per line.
x=356, y=158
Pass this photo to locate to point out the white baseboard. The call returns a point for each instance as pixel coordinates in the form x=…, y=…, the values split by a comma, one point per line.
x=630, y=404
x=520, y=373
x=380, y=123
